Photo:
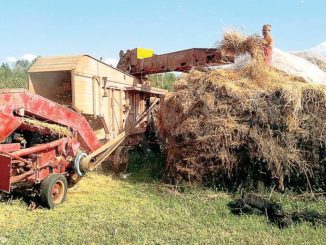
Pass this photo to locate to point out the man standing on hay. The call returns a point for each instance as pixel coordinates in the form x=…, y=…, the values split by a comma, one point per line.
x=267, y=44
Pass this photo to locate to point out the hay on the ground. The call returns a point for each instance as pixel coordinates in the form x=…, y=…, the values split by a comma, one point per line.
x=238, y=127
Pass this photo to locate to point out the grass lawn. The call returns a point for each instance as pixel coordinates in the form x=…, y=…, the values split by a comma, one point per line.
x=106, y=210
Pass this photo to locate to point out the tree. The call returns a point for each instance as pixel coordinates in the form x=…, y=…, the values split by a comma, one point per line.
x=4, y=72
x=16, y=77
x=163, y=80
x=22, y=64
x=5, y=66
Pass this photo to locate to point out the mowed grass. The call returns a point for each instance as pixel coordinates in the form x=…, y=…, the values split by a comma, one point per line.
x=102, y=209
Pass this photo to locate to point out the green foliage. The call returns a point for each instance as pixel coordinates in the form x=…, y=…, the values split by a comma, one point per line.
x=164, y=80
x=15, y=77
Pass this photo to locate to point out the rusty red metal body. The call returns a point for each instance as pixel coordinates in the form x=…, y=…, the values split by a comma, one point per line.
x=35, y=162
x=13, y=101
x=9, y=147
x=41, y=148
x=183, y=61
x=5, y=173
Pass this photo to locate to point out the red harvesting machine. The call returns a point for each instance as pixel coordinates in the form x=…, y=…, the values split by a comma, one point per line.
x=33, y=152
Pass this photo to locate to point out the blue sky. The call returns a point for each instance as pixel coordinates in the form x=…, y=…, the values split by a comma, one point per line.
x=102, y=28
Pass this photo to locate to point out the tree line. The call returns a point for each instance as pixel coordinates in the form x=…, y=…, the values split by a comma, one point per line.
x=16, y=76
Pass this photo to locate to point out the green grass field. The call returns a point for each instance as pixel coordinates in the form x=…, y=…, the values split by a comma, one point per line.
x=102, y=209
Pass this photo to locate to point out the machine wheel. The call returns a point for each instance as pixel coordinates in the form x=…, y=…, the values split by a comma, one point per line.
x=120, y=160
x=53, y=190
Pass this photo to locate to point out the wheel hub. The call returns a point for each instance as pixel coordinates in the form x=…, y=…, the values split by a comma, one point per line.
x=57, y=192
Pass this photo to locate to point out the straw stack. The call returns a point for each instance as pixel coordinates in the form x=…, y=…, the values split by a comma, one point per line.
x=243, y=127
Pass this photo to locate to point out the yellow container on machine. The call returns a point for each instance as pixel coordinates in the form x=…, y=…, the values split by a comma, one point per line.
x=143, y=53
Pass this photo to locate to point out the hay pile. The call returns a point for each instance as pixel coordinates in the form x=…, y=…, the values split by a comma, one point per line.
x=243, y=127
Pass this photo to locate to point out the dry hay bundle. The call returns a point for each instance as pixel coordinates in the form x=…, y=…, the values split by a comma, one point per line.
x=242, y=127
x=235, y=42
x=49, y=127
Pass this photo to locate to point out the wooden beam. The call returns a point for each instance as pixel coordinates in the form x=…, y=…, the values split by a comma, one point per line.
x=73, y=89
x=120, y=111
x=135, y=106
x=112, y=110
x=109, y=110
x=99, y=94
x=105, y=149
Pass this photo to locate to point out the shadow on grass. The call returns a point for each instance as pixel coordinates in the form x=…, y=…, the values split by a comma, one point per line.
x=24, y=194
x=146, y=164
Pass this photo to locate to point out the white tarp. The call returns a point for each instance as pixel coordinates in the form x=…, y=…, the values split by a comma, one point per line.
x=288, y=63
x=298, y=66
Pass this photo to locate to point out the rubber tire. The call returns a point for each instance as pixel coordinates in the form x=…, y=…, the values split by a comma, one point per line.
x=46, y=188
